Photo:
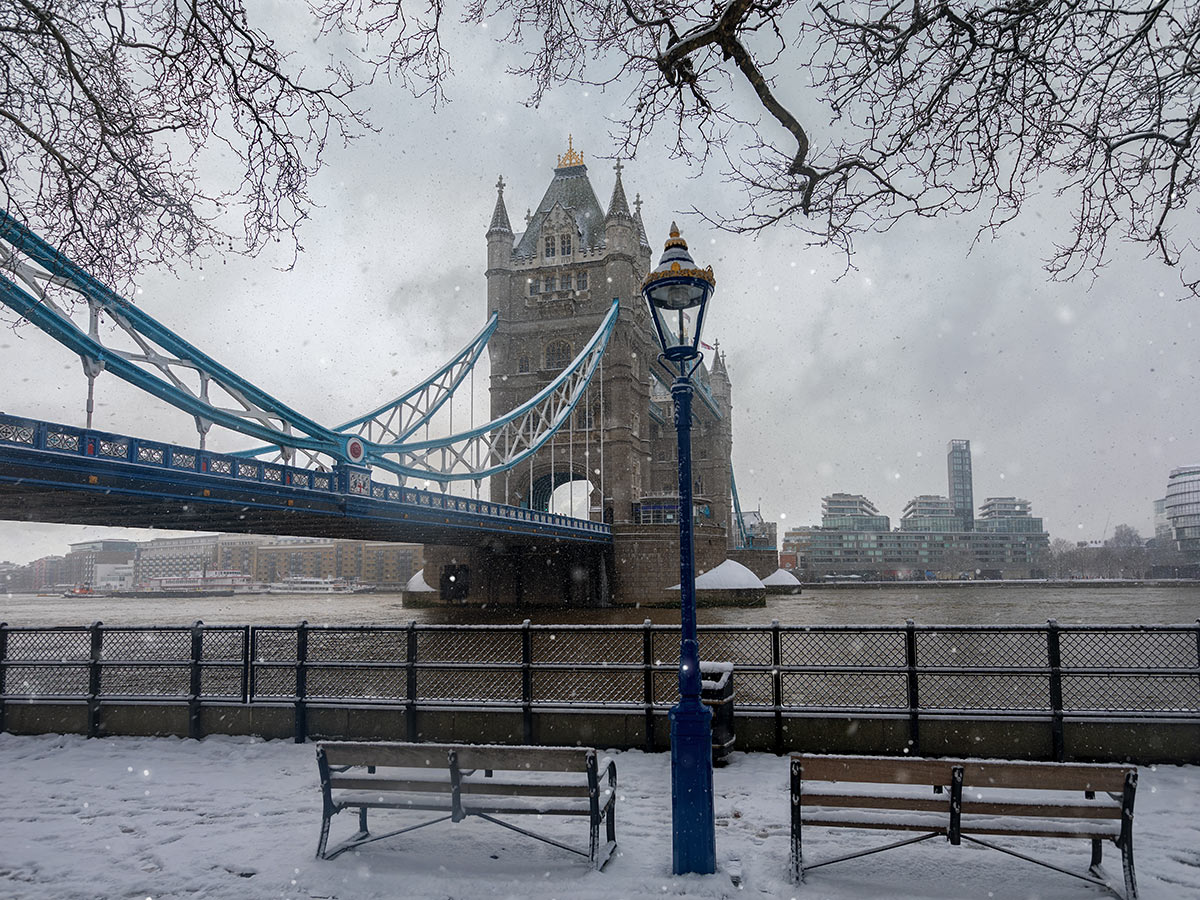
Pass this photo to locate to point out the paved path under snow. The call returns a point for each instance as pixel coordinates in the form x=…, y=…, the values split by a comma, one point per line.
x=237, y=819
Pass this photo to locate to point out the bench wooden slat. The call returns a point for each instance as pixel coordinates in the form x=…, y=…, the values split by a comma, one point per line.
x=547, y=806
x=469, y=786
x=470, y=756
x=980, y=773
x=1094, y=809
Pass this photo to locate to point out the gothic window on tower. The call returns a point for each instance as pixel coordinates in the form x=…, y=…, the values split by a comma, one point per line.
x=549, y=246
x=533, y=287
x=558, y=355
x=551, y=284
x=523, y=365
x=564, y=245
x=581, y=281
x=564, y=281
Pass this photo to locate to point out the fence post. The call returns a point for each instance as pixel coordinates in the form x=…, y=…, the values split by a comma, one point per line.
x=301, y=682
x=527, y=681
x=3, y=670
x=777, y=683
x=93, y=700
x=1054, y=654
x=914, y=696
x=648, y=682
x=410, y=712
x=249, y=643
x=194, y=681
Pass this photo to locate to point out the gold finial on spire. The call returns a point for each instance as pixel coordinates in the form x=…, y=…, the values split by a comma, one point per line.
x=571, y=157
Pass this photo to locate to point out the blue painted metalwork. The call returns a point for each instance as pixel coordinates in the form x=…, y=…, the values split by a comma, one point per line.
x=67, y=458
x=693, y=826
x=744, y=538
x=504, y=442
x=495, y=447
x=59, y=271
x=675, y=291
x=400, y=418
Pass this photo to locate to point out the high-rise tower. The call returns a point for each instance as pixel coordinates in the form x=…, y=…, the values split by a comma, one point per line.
x=961, y=488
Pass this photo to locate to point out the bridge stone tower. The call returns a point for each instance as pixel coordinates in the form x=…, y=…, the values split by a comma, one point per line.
x=552, y=284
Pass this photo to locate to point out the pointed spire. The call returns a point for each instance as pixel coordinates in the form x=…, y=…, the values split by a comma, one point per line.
x=643, y=240
x=500, y=224
x=718, y=369
x=618, y=206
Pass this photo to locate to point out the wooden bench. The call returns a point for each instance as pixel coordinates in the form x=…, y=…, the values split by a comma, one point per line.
x=963, y=799
x=461, y=780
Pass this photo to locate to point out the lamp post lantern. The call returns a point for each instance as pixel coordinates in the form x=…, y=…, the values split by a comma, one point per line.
x=677, y=293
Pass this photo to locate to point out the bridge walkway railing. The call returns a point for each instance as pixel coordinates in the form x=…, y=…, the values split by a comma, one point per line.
x=188, y=461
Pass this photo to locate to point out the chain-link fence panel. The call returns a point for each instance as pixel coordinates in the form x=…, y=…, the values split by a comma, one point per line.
x=984, y=691
x=591, y=686
x=1122, y=649
x=357, y=645
x=586, y=646
x=463, y=644
x=356, y=683
x=219, y=682
x=966, y=647
x=49, y=646
x=742, y=648
x=1137, y=693
x=467, y=685
x=274, y=644
x=805, y=647
x=145, y=681
x=844, y=690
x=137, y=645
x=31, y=682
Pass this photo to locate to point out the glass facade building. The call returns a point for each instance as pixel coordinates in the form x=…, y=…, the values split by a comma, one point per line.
x=958, y=474
x=1183, y=509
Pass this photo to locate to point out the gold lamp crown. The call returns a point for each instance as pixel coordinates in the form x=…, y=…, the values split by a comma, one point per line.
x=571, y=157
x=675, y=240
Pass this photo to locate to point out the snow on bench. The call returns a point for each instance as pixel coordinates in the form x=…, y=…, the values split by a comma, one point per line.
x=962, y=799
x=461, y=780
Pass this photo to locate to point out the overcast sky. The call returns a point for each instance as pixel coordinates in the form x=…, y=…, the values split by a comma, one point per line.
x=1080, y=397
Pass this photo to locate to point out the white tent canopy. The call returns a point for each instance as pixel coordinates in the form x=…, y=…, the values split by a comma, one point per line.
x=417, y=583
x=728, y=576
x=781, y=578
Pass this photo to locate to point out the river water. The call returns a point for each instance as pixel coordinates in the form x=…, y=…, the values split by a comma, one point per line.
x=866, y=605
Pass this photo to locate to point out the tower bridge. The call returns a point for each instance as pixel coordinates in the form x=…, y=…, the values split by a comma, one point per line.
x=579, y=417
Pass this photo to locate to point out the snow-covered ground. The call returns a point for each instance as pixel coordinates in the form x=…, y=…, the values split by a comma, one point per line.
x=237, y=819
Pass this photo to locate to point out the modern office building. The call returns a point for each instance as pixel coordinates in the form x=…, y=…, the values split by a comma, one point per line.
x=851, y=512
x=1183, y=509
x=938, y=537
x=958, y=474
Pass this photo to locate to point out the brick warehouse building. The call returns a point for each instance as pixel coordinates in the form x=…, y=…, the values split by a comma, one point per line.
x=552, y=284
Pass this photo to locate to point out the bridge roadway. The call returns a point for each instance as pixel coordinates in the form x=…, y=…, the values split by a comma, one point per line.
x=60, y=473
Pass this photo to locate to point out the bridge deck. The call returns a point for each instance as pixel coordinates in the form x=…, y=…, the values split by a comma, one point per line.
x=59, y=473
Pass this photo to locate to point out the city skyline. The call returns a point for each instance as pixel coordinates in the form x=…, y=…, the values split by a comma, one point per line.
x=1076, y=395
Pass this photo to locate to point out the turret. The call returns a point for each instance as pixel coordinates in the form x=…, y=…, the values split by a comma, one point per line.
x=500, y=233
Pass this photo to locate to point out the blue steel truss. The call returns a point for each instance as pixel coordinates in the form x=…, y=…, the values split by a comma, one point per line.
x=163, y=364
x=743, y=535
x=399, y=419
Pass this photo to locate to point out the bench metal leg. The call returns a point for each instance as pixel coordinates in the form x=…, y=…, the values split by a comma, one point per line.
x=1097, y=856
x=1127, y=868
x=324, y=836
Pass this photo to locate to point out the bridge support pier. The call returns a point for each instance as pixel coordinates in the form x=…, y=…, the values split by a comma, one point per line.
x=544, y=574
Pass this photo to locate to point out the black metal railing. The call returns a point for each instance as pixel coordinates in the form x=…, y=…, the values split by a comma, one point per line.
x=1046, y=672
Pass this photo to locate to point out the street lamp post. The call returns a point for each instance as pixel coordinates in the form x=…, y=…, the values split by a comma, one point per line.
x=677, y=293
